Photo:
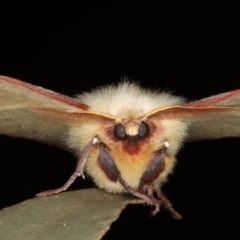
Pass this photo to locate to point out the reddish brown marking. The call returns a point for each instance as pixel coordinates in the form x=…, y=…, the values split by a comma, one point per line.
x=154, y=128
x=109, y=133
x=210, y=101
x=45, y=92
x=131, y=149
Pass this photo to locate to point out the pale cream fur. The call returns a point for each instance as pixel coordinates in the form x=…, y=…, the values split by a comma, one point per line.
x=128, y=101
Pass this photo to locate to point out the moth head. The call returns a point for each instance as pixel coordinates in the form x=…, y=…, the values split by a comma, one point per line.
x=131, y=129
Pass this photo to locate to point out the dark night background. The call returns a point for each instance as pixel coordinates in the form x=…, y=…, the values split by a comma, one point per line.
x=192, y=50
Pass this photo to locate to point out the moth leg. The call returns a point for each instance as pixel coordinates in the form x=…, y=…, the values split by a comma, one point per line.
x=78, y=171
x=149, y=176
x=107, y=164
x=150, y=200
x=150, y=190
x=155, y=168
x=167, y=204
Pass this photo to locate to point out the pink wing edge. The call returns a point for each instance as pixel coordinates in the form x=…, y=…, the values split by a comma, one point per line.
x=45, y=92
x=216, y=99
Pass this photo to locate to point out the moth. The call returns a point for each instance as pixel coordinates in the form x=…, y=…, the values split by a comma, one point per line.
x=125, y=137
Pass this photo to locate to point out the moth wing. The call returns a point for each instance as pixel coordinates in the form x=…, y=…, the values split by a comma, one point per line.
x=228, y=126
x=18, y=120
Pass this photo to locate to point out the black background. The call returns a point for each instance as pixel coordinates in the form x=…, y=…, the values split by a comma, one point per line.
x=192, y=50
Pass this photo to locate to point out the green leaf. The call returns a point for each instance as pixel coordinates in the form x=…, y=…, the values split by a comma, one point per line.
x=83, y=214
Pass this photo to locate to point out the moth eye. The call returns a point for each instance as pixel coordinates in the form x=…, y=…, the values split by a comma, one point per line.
x=143, y=130
x=119, y=132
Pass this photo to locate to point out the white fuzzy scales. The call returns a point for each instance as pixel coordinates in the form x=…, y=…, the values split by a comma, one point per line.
x=127, y=100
